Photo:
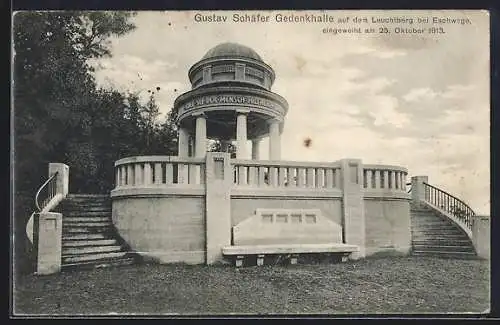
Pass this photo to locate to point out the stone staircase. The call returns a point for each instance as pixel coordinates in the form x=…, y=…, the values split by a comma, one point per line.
x=436, y=235
x=89, y=238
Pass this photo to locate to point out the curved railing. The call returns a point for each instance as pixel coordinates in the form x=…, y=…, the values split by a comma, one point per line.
x=449, y=203
x=51, y=197
x=50, y=189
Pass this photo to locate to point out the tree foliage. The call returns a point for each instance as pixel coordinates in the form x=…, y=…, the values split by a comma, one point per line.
x=61, y=115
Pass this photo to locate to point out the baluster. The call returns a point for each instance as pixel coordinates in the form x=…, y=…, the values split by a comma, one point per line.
x=392, y=180
x=290, y=176
x=242, y=175
x=310, y=177
x=329, y=178
x=169, y=173
x=337, y=177
x=262, y=176
x=138, y=173
x=301, y=181
x=202, y=173
x=282, y=176
x=320, y=177
x=368, y=179
x=377, y=179
x=252, y=176
x=273, y=176
x=117, y=176
x=147, y=174
x=386, y=179
x=193, y=173
x=158, y=174
x=123, y=175
x=130, y=174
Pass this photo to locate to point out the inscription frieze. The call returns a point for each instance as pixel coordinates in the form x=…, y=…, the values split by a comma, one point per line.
x=227, y=99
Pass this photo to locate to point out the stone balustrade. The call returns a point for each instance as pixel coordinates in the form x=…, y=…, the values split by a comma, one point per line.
x=148, y=171
x=189, y=172
x=384, y=177
x=291, y=174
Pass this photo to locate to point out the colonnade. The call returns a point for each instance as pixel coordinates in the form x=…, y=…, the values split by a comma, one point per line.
x=199, y=143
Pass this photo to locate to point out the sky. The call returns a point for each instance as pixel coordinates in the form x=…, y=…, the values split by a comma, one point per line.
x=421, y=101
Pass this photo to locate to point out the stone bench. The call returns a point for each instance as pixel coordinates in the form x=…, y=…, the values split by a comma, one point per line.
x=289, y=232
x=292, y=250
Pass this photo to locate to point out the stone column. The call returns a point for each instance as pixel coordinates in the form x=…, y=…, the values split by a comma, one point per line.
x=353, y=208
x=418, y=188
x=47, y=242
x=241, y=135
x=255, y=149
x=201, y=136
x=219, y=180
x=274, y=140
x=183, y=143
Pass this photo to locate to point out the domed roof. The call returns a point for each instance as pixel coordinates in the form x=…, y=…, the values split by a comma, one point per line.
x=232, y=49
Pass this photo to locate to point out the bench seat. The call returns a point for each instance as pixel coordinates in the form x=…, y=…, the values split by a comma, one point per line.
x=288, y=249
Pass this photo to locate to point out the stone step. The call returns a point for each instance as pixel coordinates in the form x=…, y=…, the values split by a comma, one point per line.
x=84, y=236
x=83, y=213
x=438, y=234
x=433, y=225
x=441, y=241
x=90, y=257
x=438, y=229
x=415, y=235
x=447, y=229
x=87, y=201
x=445, y=254
x=87, y=196
x=452, y=248
x=68, y=251
x=90, y=206
x=122, y=261
x=73, y=219
x=85, y=230
x=85, y=242
x=107, y=223
x=427, y=218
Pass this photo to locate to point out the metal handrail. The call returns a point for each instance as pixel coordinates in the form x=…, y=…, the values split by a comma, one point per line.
x=449, y=203
x=51, y=195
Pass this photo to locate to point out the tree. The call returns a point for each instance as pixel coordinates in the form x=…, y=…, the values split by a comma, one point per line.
x=226, y=146
x=55, y=95
x=60, y=115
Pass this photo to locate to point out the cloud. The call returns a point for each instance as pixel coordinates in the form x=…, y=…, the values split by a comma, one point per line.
x=417, y=94
x=417, y=101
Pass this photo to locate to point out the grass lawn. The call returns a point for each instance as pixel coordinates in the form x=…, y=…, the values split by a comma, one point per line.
x=373, y=285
